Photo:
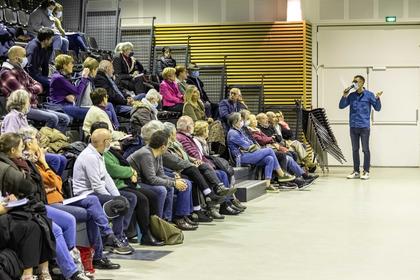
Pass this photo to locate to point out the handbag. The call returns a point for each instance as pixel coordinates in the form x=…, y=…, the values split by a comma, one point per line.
x=166, y=232
x=222, y=164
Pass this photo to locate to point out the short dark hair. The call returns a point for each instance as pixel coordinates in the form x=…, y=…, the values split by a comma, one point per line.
x=45, y=33
x=46, y=3
x=360, y=77
x=158, y=139
x=98, y=95
x=98, y=125
x=8, y=141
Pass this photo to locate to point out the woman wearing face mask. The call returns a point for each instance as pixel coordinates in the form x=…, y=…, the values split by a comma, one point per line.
x=60, y=41
x=246, y=151
x=144, y=111
x=165, y=60
x=127, y=70
x=41, y=17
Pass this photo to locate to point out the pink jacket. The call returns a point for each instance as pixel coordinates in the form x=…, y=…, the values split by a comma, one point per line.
x=171, y=95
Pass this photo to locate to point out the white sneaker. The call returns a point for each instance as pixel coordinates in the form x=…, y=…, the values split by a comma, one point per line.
x=365, y=175
x=354, y=175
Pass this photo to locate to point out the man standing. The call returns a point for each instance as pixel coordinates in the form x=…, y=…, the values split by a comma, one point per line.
x=360, y=102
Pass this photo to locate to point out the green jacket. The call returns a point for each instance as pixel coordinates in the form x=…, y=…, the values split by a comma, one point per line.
x=118, y=172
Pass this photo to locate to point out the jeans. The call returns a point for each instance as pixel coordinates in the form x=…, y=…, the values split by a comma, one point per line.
x=293, y=167
x=64, y=230
x=263, y=157
x=51, y=118
x=119, y=222
x=77, y=42
x=183, y=203
x=89, y=211
x=123, y=110
x=357, y=135
x=75, y=112
x=60, y=43
x=165, y=200
x=222, y=175
x=57, y=162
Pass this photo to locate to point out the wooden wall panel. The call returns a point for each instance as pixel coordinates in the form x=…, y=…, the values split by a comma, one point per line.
x=278, y=54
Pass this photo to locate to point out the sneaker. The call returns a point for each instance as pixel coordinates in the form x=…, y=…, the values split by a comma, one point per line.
x=202, y=217
x=288, y=186
x=118, y=247
x=354, y=175
x=286, y=178
x=272, y=189
x=303, y=184
x=79, y=276
x=365, y=175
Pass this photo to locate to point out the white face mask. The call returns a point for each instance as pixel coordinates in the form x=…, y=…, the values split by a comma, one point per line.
x=107, y=149
x=24, y=62
x=247, y=123
x=59, y=14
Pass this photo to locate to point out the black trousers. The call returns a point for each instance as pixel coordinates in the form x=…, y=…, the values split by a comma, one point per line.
x=176, y=108
x=147, y=205
x=199, y=183
x=28, y=242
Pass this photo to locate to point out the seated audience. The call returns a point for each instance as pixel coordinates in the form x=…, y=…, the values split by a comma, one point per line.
x=245, y=151
x=166, y=60
x=212, y=109
x=181, y=77
x=121, y=100
x=128, y=70
x=91, y=177
x=232, y=104
x=60, y=41
x=193, y=106
x=172, y=98
x=84, y=99
x=148, y=164
x=63, y=92
x=145, y=111
x=39, y=53
x=125, y=178
x=16, y=168
x=13, y=77
x=87, y=210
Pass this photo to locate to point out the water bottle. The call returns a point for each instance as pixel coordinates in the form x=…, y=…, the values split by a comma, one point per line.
x=238, y=160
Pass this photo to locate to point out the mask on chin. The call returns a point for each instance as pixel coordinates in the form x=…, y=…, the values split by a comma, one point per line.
x=24, y=62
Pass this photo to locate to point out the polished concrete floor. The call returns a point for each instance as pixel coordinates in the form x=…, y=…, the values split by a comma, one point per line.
x=338, y=229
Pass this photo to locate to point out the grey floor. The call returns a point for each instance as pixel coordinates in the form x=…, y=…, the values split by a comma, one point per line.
x=339, y=229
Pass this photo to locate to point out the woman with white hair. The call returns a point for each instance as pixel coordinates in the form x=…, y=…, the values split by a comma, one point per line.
x=145, y=111
x=128, y=71
x=18, y=107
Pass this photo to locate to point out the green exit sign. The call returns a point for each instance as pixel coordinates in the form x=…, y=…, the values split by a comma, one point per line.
x=391, y=19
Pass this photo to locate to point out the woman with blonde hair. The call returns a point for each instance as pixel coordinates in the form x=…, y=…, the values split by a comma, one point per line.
x=18, y=107
x=193, y=106
x=172, y=98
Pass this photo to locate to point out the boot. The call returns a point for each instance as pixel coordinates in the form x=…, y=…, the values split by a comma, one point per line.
x=150, y=240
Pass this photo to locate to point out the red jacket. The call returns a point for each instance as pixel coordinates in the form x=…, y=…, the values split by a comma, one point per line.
x=261, y=138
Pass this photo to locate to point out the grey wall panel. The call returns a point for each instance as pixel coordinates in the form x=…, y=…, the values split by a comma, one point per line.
x=361, y=9
x=182, y=11
x=209, y=11
x=331, y=9
x=390, y=8
x=237, y=10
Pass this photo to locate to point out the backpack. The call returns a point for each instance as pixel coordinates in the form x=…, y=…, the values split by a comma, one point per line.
x=165, y=231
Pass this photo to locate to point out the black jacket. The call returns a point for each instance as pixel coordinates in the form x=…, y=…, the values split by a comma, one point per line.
x=101, y=81
x=270, y=131
x=121, y=70
x=199, y=84
x=163, y=62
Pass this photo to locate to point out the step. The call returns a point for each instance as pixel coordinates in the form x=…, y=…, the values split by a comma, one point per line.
x=250, y=189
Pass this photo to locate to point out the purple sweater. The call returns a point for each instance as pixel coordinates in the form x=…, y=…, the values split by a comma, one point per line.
x=60, y=87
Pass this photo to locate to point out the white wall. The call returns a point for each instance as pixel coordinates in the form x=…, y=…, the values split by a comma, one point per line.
x=381, y=44
x=205, y=11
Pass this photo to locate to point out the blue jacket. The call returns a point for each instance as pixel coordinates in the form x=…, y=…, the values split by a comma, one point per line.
x=360, y=107
x=38, y=60
x=236, y=140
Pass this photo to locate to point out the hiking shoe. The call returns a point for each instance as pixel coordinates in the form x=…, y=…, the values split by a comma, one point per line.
x=365, y=175
x=272, y=189
x=302, y=183
x=288, y=186
x=354, y=175
x=79, y=276
x=285, y=178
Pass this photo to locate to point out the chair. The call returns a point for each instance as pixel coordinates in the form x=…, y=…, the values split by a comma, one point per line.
x=3, y=3
x=23, y=18
x=10, y=16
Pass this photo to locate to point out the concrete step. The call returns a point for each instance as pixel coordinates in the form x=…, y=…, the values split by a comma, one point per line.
x=250, y=189
x=247, y=173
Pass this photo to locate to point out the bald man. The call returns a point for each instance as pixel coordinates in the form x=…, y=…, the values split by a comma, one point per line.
x=91, y=177
x=13, y=77
x=121, y=100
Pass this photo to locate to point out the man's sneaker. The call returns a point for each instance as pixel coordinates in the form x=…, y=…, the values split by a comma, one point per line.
x=365, y=175
x=118, y=247
x=288, y=186
x=79, y=276
x=354, y=175
x=202, y=217
x=214, y=199
x=302, y=183
x=285, y=178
